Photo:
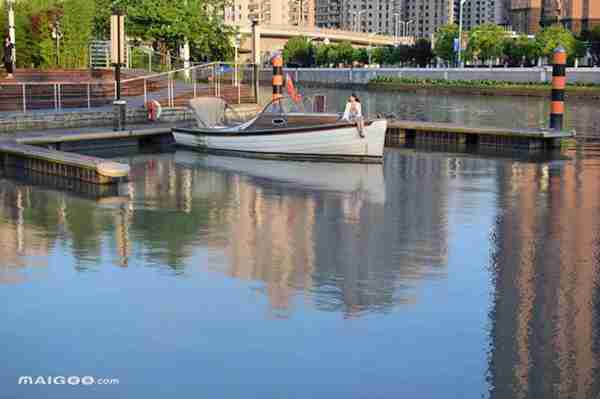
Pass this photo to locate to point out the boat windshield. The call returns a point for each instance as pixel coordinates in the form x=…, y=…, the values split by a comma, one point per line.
x=285, y=105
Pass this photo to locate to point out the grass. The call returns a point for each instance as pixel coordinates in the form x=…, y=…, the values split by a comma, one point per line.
x=476, y=84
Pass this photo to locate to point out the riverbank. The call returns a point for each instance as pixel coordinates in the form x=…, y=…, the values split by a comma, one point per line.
x=476, y=87
x=361, y=77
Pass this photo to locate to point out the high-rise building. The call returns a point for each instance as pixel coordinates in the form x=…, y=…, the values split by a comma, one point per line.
x=477, y=12
x=528, y=16
x=420, y=18
x=328, y=13
x=271, y=12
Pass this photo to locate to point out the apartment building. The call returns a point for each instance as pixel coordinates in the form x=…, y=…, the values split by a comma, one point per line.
x=477, y=12
x=420, y=18
x=528, y=16
x=271, y=12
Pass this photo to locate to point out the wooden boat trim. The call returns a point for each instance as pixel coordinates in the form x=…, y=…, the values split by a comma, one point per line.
x=264, y=132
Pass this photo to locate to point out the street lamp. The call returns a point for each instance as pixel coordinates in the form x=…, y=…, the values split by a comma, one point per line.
x=236, y=46
x=370, y=48
x=407, y=24
x=356, y=24
x=57, y=35
x=396, y=21
x=10, y=6
x=460, y=23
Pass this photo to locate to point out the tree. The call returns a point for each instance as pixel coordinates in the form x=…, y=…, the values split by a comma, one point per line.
x=520, y=51
x=361, y=55
x=299, y=52
x=421, y=52
x=555, y=36
x=486, y=42
x=169, y=23
x=77, y=29
x=325, y=55
x=344, y=52
x=444, y=43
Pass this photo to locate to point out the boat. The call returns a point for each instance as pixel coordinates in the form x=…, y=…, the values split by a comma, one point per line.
x=282, y=130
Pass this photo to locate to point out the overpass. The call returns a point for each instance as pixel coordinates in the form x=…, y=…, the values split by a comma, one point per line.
x=274, y=37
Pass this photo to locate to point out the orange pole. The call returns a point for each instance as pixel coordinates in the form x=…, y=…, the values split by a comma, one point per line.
x=559, y=81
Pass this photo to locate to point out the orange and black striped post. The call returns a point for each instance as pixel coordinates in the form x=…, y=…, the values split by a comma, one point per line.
x=559, y=81
x=277, y=63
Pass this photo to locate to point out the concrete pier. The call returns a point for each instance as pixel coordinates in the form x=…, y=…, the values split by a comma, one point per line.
x=59, y=163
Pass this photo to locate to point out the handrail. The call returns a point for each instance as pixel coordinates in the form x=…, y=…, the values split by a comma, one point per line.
x=162, y=74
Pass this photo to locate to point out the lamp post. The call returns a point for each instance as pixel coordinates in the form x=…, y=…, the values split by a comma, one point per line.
x=396, y=22
x=10, y=6
x=407, y=24
x=238, y=41
x=460, y=23
x=57, y=35
x=356, y=23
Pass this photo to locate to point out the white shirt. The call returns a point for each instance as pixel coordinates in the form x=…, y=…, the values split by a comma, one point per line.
x=352, y=114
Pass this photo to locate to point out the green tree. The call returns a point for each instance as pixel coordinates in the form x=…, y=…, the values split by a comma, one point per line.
x=444, y=43
x=555, y=36
x=299, y=52
x=344, y=52
x=486, y=42
x=169, y=23
x=520, y=50
x=421, y=52
x=361, y=55
x=77, y=29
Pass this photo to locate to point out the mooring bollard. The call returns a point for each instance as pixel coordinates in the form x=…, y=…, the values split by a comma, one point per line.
x=119, y=115
x=559, y=81
x=277, y=63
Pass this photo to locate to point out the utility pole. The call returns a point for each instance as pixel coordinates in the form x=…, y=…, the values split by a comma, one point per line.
x=460, y=27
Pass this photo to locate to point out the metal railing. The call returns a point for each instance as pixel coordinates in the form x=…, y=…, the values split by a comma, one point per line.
x=171, y=89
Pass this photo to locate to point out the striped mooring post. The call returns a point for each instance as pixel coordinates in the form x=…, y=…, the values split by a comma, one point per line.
x=277, y=63
x=559, y=81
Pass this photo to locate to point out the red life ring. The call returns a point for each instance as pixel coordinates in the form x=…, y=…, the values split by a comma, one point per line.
x=154, y=110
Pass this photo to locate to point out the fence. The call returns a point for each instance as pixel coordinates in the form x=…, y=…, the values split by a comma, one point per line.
x=171, y=89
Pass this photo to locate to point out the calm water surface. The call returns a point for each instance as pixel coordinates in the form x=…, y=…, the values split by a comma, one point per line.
x=435, y=275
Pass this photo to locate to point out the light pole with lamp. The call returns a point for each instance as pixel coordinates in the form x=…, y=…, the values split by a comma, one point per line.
x=460, y=24
x=57, y=35
x=407, y=25
x=356, y=23
x=396, y=23
x=237, y=43
x=10, y=6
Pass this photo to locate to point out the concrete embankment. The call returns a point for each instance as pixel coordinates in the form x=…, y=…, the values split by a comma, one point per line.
x=41, y=120
x=341, y=77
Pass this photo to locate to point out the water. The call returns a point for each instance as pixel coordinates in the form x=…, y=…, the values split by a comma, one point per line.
x=434, y=275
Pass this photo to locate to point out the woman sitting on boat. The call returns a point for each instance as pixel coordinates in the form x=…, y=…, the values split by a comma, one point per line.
x=353, y=113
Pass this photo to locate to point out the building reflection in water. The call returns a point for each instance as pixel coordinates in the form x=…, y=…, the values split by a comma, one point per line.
x=336, y=232
x=545, y=266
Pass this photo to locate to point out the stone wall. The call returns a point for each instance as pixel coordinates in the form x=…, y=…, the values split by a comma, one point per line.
x=40, y=120
x=53, y=120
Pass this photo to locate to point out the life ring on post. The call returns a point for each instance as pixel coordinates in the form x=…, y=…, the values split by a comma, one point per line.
x=154, y=110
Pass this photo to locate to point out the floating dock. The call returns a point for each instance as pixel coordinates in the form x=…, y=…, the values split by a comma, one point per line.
x=58, y=163
x=475, y=136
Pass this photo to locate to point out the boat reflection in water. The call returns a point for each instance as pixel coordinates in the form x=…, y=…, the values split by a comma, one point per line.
x=365, y=180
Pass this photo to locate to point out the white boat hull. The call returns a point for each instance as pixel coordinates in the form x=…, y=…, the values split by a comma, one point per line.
x=335, y=143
